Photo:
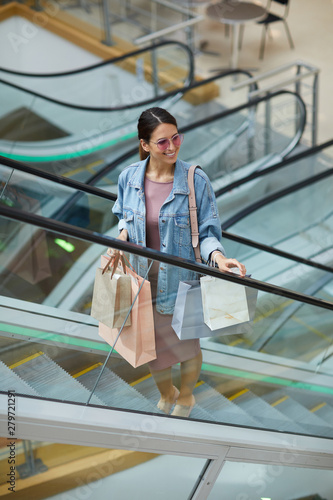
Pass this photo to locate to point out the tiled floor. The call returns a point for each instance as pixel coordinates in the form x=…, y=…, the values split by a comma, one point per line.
x=310, y=23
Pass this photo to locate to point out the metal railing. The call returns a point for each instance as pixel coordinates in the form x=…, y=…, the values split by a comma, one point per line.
x=303, y=71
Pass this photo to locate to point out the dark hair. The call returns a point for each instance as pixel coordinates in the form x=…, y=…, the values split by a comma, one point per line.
x=148, y=121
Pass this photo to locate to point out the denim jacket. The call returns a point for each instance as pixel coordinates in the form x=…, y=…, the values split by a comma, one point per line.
x=174, y=225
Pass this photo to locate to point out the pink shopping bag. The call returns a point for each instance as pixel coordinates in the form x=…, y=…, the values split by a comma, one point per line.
x=136, y=343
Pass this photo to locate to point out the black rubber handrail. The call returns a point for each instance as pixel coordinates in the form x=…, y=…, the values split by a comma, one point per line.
x=65, y=181
x=105, y=62
x=108, y=168
x=275, y=196
x=277, y=166
x=94, y=237
x=275, y=251
x=171, y=93
x=80, y=186
x=222, y=114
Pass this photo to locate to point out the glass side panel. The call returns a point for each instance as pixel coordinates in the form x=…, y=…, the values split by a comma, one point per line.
x=49, y=330
x=245, y=481
x=233, y=201
x=306, y=231
x=281, y=271
x=84, y=472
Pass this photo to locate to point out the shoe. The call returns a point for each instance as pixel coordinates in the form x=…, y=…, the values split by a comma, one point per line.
x=165, y=406
x=183, y=411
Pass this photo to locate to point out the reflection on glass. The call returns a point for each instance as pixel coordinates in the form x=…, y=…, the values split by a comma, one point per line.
x=244, y=481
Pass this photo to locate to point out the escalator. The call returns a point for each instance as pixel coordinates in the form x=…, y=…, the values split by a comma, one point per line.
x=76, y=130
x=247, y=399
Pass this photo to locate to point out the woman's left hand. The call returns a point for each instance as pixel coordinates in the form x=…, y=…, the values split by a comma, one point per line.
x=226, y=265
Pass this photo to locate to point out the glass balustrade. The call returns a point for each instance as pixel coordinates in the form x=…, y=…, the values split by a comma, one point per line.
x=299, y=221
x=51, y=348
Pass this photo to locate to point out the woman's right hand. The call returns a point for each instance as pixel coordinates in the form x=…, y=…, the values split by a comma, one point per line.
x=123, y=236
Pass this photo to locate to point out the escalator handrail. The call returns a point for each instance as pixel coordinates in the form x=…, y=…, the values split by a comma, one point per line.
x=276, y=251
x=108, y=168
x=105, y=62
x=94, y=237
x=275, y=196
x=277, y=166
x=223, y=114
x=87, y=188
x=171, y=93
x=65, y=181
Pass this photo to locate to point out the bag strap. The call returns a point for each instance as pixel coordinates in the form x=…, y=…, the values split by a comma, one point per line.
x=193, y=213
x=113, y=262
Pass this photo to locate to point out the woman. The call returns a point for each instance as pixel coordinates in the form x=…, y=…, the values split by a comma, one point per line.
x=152, y=206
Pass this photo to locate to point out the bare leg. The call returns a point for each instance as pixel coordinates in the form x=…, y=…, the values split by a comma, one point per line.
x=189, y=371
x=163, y=380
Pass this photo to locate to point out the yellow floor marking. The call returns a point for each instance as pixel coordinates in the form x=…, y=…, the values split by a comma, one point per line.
x=198, y=384
x=84, y=168
x=86, y=370
x=272, y=311
x=316, y=408
x=238, y=394
x=140, y=380
x=280, y=401
x=311, y=329
x=239, y=341
x=25, y=360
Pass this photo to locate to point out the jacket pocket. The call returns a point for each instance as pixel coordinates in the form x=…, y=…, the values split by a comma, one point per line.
x=182, y=231
x=129, y=219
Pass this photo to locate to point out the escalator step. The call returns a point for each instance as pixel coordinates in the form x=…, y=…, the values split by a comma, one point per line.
x=50, y=380
x=220, y=408
x=115, y=392
x=13, y=382
x=298, y=413
x=260, y=410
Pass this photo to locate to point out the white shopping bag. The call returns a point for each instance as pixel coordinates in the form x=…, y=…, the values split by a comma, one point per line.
x=224, y=303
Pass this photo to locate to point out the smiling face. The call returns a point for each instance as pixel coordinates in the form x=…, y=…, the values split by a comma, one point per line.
x=169, y=155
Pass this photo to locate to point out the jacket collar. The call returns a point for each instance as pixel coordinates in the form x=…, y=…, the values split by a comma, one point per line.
x=180, y=183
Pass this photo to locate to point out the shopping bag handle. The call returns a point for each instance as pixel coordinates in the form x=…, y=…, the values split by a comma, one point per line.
x=113, y=262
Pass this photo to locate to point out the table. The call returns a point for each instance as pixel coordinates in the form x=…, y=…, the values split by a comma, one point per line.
x=235, y=13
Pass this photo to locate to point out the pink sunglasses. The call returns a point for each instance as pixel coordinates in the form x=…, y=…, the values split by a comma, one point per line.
x=164, y=144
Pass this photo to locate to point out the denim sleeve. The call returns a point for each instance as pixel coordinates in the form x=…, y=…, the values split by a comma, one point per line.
x=117, y=208
x=209, y=223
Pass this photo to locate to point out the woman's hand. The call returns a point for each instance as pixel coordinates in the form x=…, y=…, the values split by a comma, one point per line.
x=123, y=236
x=226, y=265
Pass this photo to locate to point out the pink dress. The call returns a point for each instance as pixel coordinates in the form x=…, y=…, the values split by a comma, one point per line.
x=169, y=349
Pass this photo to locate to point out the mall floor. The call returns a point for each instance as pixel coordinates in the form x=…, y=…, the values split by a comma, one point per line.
x=310, y=23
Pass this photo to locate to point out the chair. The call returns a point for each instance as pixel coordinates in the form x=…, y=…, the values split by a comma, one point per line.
x=273, y=18
x=269, y=19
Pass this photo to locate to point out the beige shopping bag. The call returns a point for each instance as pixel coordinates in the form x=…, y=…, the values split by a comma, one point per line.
x=226, y=303
x=112, y=294
x=136, y=343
